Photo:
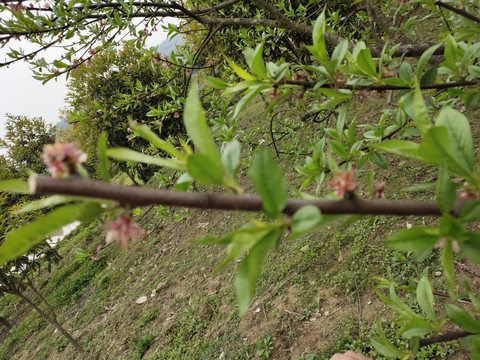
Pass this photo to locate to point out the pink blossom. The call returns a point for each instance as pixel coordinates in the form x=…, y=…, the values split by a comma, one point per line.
x=167, y=65
x=343, y=182
x=210, y=62
x=47, y=6
x=188, y=72
x=159, y=122
x=176, y=115
x=62, y=159
x=94, y=257
x=57, y=72
x=122, y=230
x=92, y=51
x=15, y=8
x=379, y=189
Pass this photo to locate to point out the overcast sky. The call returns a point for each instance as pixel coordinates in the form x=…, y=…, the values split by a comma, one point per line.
x=21, y=94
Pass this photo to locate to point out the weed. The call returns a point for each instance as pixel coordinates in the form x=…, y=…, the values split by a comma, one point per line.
x=265, y=347
x=144, y=343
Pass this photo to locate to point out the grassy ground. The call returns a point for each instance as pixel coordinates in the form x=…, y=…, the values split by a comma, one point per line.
x=314, y=297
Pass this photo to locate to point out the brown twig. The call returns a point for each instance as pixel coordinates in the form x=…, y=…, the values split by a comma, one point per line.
x=139, y=196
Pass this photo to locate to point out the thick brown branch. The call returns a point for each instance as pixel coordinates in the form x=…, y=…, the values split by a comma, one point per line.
x=454, y=335
x=140, y=196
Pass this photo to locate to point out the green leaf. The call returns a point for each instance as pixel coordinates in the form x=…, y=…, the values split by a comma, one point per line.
x=81, y=255
x=470, y=211
x=446, y=193
x=102, y=158
x=15, y=186
x=250, y=267
x=90, y=211
x=240, y=72
x=415, y=327
x=383, y=346
x=268, y=179
x=436, y=150
x=424, y=59
x=459, y=134
x=449, y=267
x=203, y=169
x=145, y=132
x=405, y=72
x=255, y=61
x=215, y=82
x=318, y=48
x=231, y=156
x=380, y=160
x=197, y=128
x=339, y=52
x=414, y=239
x=409, y=149
x=124, y=154
x=429, y=77
x=249, y=95
x=450, y=54
x=425, y=297
x=366, y=63
x=338, y=148
x=462, y=319
x=421, y=114
x=20, y=241
x=305, y=219
x=43, y=203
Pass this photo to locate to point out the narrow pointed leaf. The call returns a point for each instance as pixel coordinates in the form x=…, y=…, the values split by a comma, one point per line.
x=124, y=154
x=268, y=179
x=20, y=241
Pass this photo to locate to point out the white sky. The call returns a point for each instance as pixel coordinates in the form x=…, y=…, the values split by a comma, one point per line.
x=21, y=94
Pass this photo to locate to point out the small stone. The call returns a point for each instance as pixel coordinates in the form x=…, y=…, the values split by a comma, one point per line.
x=438, y=273
x=326, y=313
x=369, y=303
x=257, y=310
x=141, y=300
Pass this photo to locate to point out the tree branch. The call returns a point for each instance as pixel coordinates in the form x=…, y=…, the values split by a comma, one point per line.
x=138, y=196
x=310, y=84
x=454, y=335
x=458, y=11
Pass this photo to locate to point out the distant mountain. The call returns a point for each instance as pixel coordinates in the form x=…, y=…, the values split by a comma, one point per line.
x=168, y=45
x=61, y=124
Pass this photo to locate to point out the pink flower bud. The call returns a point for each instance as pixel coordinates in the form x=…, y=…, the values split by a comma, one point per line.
x=343, y=182
x=62, y=159
x=122, y=230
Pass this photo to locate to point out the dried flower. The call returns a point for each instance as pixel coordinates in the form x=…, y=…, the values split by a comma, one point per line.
x=62, y=159
x=343, y=182
x=122, y=230
x=442, y=242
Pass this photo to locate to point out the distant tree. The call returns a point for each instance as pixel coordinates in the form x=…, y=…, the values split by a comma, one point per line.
x=24, y=141
x=103, y=97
